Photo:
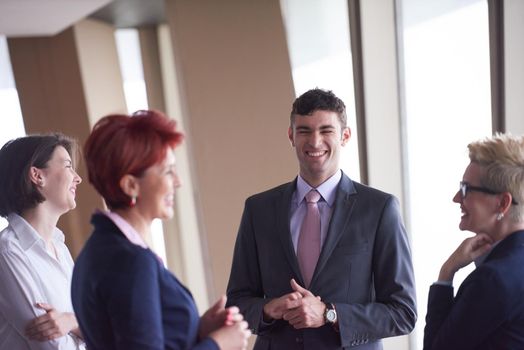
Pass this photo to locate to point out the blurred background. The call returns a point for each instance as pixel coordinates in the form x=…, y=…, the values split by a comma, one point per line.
x=420, y=79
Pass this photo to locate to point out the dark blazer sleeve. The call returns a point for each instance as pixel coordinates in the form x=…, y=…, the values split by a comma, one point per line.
x=392, y=309
x=135, y=308
x=440, y=303
x=133, y=304
x=483, y=303
x=245, y=283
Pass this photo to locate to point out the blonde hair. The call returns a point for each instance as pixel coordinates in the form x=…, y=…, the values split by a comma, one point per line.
x=502, y=160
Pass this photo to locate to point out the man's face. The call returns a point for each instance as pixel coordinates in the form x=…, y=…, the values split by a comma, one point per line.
x=318, y=139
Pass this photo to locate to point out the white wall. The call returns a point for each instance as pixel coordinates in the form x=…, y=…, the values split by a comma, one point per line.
x=514, y=64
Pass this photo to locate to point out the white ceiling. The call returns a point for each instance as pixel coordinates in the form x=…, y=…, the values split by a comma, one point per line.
x=19, y=18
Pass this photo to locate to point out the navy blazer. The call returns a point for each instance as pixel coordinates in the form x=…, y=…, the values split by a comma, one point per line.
x=124, y=298
x=364, y=268
x=488, y=311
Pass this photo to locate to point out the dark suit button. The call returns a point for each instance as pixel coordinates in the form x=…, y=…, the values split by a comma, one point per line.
x=299, y=340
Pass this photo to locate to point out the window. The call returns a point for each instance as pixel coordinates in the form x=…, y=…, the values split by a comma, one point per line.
x=447, y=100
x=128, y=47
x=13, y=127
x=319, y=48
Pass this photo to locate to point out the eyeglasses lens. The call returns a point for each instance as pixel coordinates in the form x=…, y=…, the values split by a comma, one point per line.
x=463, y=189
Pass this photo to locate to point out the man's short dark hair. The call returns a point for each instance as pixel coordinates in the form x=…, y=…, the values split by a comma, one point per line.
x=17, y=192
x=318, y=99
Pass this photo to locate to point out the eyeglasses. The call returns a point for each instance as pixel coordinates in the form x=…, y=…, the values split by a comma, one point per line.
x=465, y=188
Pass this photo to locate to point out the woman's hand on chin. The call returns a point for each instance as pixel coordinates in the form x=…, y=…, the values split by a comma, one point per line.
x=470, y=249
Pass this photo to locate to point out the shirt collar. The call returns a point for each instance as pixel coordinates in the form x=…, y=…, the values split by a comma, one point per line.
x=327, y=189
x=129, y=232
x=27, y=235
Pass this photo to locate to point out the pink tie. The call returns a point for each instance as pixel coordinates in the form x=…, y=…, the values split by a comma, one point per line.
x=308, y=249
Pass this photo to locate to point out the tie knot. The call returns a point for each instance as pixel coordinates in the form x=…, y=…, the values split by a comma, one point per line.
x=312, y=196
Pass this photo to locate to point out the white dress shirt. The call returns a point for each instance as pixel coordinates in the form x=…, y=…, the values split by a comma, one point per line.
x=30, y=274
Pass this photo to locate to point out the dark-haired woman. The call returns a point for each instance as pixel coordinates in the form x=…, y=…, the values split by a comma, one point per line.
x=37, y=185
x=123, y=296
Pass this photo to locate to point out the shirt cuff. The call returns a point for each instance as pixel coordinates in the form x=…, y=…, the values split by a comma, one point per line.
x=264, y=323
x=443, y=283
x=79, y=342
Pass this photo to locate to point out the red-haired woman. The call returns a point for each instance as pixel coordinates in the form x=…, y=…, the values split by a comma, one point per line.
x=123, y=296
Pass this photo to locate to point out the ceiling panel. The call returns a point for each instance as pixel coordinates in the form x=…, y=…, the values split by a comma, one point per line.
x=19, y=18
x=132, y=13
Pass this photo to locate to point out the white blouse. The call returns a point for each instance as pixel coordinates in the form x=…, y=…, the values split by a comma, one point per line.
x=28, y=275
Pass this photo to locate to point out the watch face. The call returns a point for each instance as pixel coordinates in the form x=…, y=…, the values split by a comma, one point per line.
x=331, y=315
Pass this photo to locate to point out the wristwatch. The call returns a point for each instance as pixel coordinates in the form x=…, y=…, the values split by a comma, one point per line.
x=330, y=315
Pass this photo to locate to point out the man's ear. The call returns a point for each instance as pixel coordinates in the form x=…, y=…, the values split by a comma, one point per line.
x=346, y=135
x=290, y=136
x=129, y=185
x=36, y=176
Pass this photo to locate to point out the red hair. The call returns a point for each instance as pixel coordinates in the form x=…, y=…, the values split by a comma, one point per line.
x=126, y=144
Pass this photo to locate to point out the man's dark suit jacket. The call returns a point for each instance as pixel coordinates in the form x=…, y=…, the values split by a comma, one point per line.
x=488, y=311
x=124, y=298
x=364, y=268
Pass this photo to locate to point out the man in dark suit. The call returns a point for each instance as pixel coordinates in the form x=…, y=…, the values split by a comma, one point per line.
x=360, y=287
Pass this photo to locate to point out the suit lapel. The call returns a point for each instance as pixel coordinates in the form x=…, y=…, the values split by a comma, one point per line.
x=339, y=222
x=513, y=241
x=283, y=208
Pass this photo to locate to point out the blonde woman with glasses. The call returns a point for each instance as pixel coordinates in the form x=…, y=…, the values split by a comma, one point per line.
x=488, y=309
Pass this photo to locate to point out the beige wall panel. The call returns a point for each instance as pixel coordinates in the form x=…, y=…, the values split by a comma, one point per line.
x=100, y=69
x=237, y=91
x=149, y=50
x=49, y=85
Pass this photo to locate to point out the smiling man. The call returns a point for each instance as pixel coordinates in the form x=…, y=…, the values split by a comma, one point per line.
x=322, y=262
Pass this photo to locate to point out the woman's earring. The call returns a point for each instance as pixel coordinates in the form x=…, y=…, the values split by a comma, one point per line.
x=41, y=183
x=133, y=201
x=500, y=216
